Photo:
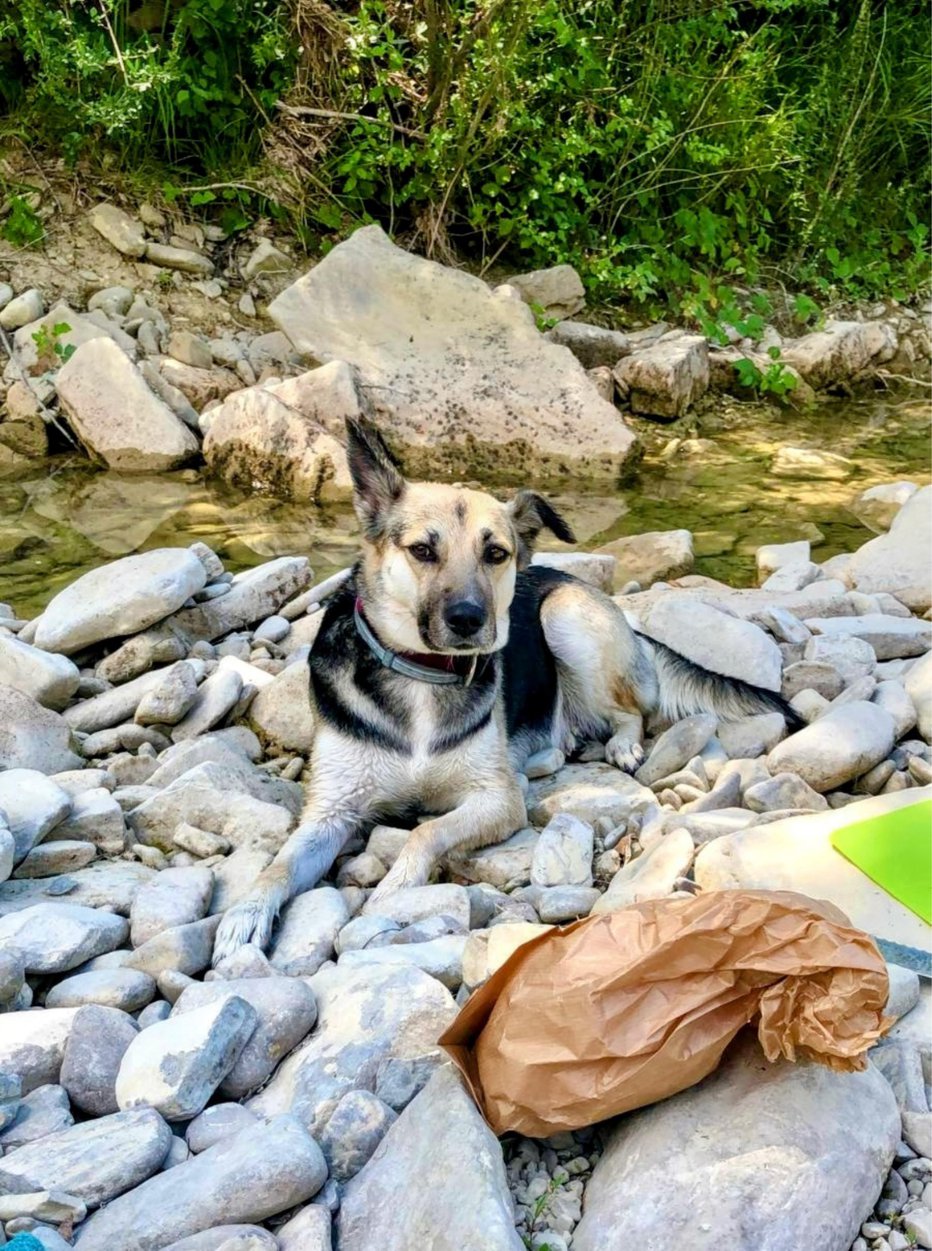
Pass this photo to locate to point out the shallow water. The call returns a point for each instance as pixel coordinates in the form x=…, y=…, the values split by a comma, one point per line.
x=63, y=517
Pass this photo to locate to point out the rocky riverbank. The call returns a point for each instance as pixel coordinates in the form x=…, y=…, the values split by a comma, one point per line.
x=153, y=736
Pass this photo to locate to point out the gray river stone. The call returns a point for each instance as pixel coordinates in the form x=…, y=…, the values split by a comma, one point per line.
x=94, y=1051
x=96, y=1160
x=33, y=805
x=845, y=742
x=49, y=679
x=32, y=1044
x=126, y=989
x=33, y=737
x=260, y=1172
x=56, y=937
x=175, y=897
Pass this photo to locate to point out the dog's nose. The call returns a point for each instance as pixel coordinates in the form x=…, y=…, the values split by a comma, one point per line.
x=464, y=617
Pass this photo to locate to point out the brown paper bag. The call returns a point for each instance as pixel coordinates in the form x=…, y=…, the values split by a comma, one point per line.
x=620, y=1010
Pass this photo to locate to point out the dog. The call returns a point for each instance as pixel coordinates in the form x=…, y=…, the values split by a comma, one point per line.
x=445, y=661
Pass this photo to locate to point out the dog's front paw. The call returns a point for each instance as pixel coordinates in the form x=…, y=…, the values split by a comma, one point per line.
x=249, y=921
x=624, y=754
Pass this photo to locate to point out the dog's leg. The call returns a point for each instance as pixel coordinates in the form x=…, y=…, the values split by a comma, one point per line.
x=483, y=817
x=301, y=863
x=605, y=676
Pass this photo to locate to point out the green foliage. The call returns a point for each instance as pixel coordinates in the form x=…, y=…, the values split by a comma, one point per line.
x=183, y=80
x=22, y=226
x=51, y=351
x=775, y=380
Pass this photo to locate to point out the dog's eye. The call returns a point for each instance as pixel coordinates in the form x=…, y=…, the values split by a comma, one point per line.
x=422, y=552
x=496, y=555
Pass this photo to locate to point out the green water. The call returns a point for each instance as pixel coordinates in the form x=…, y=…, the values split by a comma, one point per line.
x=63, y=517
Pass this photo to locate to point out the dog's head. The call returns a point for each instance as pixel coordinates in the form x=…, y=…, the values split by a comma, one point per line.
x=439, y=561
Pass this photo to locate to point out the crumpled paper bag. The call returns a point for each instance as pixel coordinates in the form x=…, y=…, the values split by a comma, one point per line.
x=617, y=1011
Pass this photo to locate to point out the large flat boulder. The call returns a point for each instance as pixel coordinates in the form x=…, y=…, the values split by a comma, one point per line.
x=436, y=1181
x=33, y=737
x=758, y=1157
x=116, y=416
x=840, y=351
x=898, y=562
x=457, y=375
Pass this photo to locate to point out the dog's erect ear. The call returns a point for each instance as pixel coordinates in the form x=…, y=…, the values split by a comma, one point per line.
x=377, y=479
x=530, y=514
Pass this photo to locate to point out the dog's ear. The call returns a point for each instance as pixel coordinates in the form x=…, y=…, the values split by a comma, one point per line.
x=531, y=513
x=377, y=478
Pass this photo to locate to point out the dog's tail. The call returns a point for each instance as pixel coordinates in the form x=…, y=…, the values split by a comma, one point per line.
x=685, y=688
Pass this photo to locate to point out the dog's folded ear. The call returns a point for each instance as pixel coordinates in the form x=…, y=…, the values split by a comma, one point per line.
x=377, y=478
x=531, y=513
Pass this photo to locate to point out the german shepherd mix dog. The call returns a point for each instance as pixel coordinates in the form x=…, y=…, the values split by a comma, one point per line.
x=442, y=663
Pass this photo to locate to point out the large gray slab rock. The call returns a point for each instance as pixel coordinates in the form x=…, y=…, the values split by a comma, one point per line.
x=94, y=1051
x=891, y=637
x=96, y=1160
x=176, y=1065
x=650, y=556
x=105, y=884
x=281, y=712
x=758, y=1157
x=415, y=903
x=840, y=351
x=49, y=679
x=220, y=1120
x=918, y=683
x=33, y=804
x=587, y=791
x=441, y=957
x=230, y=1238
x=286, y=1010
x=504, y=865
x=717, y=641
x=118, y=419
x=307, y=933
x=844, y=743
x=32, y=1044
x=258, y=1173
x=280, y=437
x=558, y=290
x=44, y=1111
x=119, y=229
x=461, y=1201
x=33, y=737
x=56, y=937
x=120, y=598
x=185, y=949
x=254, y=595
x=593, y=346
x=109, y=708
x=878, y=505
x=126, y=989
x=652, y=875
x=365, y=1015
x=357, y=1126
x=898, y=562
x=175, y=897
x=666, y=377
x=422, y=338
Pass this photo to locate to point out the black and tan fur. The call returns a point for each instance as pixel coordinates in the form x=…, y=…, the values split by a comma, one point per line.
x=551, y=661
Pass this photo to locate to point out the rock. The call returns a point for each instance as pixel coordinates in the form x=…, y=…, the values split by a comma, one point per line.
x=126, y=989
x=116, y=416
x=597, y=570
x=442, y=957
x=216, y=697
x=185, y=259
x=33, y=737
x=112, y=301
x=462, y=1198
x=60, y=856
x=897, y=562
x=286, y=1010
x=367, y=1014
x=804, y=463
x=378, y=308
x=890, y=637
x=176, y=1065
x=32, y=1044
x=42, y=1205
x=851, y=657
x=918, y=684
x=96, y=1160
x=676, y=746
x=281, y=712
x=187, y=347
x=825, y=1140
x=666, y=377
x=222, y=1120
x=774, y=556
x=877, y=506
x=265, y=258
x=918, y=1225
x=55, y=937
x=27, y=307
x=716, y=641
x=258, y=1173
x=892, y=697
x=563, y=853
x=308, y=1231
x=556, y=292
x=750, y=736
x=358, y=1124
x=904, y=990
x=42, y=1112
x=49, y=680
x=254, y=595
x=593, y=346
x=796, y=854
x=555, y=904
x=186, y=949
x=650, y=557
x=120, y=231
x=652, y=875
x=229, y=1238
x=96, y=817
x=784, y=790
x=588, y=792
x=120, y=598
x=308, y=930
x=283, y=438
x=175, y=897
x=844, y=743
x=414, y=903
x=12, y=975
x=33, y=805
x=505, y=865
x=840, y=351
x=167, y=701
